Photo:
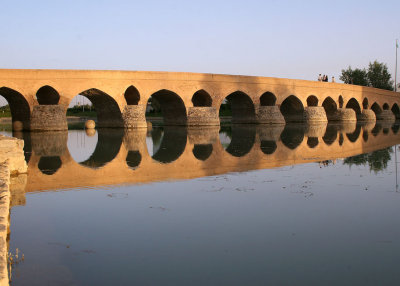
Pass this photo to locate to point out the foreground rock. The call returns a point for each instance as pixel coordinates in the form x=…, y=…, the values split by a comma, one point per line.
x=12, y=163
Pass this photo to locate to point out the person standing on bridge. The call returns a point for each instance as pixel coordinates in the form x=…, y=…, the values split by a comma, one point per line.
x=333, y=79
x=319, y=77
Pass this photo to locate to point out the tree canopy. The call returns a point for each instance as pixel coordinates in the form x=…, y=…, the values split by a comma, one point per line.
x=377, y=75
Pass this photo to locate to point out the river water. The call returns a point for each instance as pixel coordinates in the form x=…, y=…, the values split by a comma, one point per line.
x=240, y=205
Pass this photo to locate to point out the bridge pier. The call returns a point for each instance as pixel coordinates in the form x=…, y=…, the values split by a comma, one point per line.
x=386, y=115
x=202, y=116
x=345, y=114
x=314, y=114
x=48, y=118
x=366, y=115
x=134, y=116
x=270, y=115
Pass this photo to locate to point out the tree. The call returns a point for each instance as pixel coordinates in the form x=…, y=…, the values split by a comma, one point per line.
x=356, y=76
x=379, y=76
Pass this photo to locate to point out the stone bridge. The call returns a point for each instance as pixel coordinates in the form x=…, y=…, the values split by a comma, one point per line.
x=39, y=98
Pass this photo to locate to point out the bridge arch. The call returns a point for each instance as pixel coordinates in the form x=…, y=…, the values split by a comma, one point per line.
x=385, y=106
x=170, y=105
x=312, y=100
x=107, y=109
x=365, y=103
x=201, y=98
x=341, y=102
x=292, y=109
x=396, y=110
x=376, y=108
x=267, y=99
x=353, y=104
x=132, y=95
x=47, y=95
x=330, y=107
x=19, y=107
x=241, y=106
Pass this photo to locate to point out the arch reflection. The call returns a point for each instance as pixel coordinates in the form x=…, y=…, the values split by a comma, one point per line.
x=292, y=136
x=260, y=147
x=107, y=147
x=168, y=143
x=241, y=141
x=202, y=151
x=355, y=134
x=49, y=165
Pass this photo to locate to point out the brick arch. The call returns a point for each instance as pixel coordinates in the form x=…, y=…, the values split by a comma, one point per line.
x=242, y=106
x=292, y=109
x=365, y=103
x=47, y=95
x=354, y=104
x=376, y=108
x=172, y=107
x=312, y=100
x=330, y=107
x=107, y=108
x=267, y=99
x=396, y=110
x=132, y=95
x=202, y=98
x=19, y=106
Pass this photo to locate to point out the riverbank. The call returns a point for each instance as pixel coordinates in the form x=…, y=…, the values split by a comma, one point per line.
x=12, y=163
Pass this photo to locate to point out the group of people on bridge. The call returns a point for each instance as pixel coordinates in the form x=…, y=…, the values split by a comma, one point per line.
x=325, y=78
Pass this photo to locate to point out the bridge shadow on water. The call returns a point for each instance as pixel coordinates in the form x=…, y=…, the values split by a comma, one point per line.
x=250, y=144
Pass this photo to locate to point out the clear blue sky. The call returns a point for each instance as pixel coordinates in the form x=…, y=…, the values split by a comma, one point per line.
x=289, y=39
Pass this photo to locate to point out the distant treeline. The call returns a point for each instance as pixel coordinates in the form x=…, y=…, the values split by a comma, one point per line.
x=82, y=110
x=5, y=111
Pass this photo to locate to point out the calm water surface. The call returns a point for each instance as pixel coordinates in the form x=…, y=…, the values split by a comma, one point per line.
x=236, y=206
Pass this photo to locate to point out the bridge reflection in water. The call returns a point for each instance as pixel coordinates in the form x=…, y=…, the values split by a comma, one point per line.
x=171, y=153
